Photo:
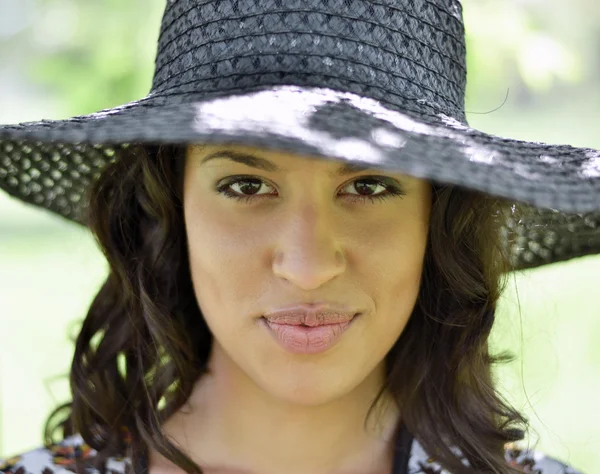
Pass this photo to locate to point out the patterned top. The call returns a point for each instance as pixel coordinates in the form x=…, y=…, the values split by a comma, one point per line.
x=60, y=459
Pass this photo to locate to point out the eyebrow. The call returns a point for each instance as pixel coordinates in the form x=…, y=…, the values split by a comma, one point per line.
x=266, y=165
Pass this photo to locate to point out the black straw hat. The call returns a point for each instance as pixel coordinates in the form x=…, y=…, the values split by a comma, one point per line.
x=374, y=82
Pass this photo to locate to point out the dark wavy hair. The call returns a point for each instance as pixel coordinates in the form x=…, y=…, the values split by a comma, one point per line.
x=144, y=341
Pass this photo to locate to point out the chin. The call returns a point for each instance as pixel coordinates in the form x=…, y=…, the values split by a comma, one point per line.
x=306, y=390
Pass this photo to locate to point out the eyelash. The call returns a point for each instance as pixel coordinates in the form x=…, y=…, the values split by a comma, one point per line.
x=391, y=190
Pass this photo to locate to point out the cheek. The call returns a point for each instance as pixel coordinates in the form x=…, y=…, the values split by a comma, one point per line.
x=215, y=239
x=391, y=270
x=222, y=258
x=220, y=234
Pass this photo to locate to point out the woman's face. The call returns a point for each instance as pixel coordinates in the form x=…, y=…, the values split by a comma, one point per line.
x=306, y=234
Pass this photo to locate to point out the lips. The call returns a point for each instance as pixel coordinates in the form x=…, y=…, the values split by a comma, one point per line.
x=306, y=340
x=311, y=315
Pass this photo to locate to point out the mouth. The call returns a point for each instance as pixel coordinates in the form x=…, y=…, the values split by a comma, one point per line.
x=311, y=323
x=300, y=338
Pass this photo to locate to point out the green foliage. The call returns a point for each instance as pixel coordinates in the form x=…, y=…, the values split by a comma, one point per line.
x=107, y=57
x=507, y=43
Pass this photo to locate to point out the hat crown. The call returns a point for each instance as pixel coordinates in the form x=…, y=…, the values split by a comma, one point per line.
x=409, y=54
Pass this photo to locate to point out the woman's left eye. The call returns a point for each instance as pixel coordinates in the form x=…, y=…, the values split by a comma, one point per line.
x=248, y=184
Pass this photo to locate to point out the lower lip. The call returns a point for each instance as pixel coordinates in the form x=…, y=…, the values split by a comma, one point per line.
x=307, y=340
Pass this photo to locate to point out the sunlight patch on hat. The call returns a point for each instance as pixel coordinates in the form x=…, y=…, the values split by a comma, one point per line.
x=387, y=138
x=481, y=154
x=549, y=159
x=591, y=169
x=287, y=110
x=285, y=104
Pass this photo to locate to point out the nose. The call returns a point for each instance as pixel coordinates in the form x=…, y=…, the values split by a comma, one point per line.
x=308, y=252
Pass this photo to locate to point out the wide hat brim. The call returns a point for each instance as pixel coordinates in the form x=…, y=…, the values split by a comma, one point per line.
x=51, y=163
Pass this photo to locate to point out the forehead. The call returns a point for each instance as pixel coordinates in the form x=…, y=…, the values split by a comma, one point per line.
x=271, y=160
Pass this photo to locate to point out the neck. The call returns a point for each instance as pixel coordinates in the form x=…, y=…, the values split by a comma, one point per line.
x=232, y=425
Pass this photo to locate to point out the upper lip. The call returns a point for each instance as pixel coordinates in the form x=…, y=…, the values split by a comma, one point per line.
x=314, y=314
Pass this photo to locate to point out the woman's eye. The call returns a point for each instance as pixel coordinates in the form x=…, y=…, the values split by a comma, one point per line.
x=360, y=190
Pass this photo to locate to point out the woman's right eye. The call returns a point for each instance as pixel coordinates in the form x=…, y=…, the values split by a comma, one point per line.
x=244, y=185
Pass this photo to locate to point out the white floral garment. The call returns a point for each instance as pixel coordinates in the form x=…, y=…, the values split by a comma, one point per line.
x=59, y=459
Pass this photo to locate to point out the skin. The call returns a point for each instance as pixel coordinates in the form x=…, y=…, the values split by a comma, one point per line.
x=261, y=409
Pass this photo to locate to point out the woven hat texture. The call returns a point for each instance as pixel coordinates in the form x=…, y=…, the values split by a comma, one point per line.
x=373, y=82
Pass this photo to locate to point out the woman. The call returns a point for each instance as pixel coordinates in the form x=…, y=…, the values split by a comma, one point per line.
x=306, y=245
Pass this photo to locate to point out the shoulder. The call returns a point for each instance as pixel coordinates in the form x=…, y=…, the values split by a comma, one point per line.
x=536, y=461
x=58, y=459
x=530, y=460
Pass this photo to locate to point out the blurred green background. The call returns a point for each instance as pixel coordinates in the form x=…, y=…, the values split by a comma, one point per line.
x=534, y=74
